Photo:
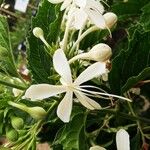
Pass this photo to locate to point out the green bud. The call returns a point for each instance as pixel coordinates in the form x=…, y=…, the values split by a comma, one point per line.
x=4, y=148
x=37, y=113
x=17, y=122
x=3, y=53
x=12, y=135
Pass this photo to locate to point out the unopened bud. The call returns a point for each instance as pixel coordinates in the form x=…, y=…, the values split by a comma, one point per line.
x=110, y=19
x=17, y=92
x=37, y=113
x=55, y=1
x=96, y=147
x=12, y=135
x=3, y=53
x=17, y=122
x=100, y=52
x=38, y=32
x=122, y=140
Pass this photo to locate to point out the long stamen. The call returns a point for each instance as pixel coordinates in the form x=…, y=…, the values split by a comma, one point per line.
x=105, y=94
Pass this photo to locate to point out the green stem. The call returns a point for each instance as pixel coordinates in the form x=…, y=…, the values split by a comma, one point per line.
x=65, y=39
x=19, y=106
x=52, y=107
x=126, y=116
x=88, y=31
x=138, y=123
x=12, y=85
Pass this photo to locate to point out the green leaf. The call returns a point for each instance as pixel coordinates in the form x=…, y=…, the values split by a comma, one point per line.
x=130, y=62
x=7, y=63
x=136, y=142
x=72, y=135
x=39, y=61
x=129, y=8
x=145, y=21
x=135, y=79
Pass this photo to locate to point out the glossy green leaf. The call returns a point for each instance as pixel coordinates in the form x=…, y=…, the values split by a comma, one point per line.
x=145, y=21
x=128, y=8
x=7, y=64
x=39, y=61
x=130, y=63
x=72, y=135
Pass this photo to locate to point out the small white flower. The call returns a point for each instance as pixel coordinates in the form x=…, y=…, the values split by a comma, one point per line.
x=96, y=147
x=62, y=67
x=88, y=9
x=122, y=140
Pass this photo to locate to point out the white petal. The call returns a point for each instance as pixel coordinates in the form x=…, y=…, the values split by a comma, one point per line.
x=96, y=147
x=95, y=5
x=96, y=18
x=122, y=140
x=42, y=91
x=91, y=72
x=65, y=4
x=61, y=66
x=55, y=1
x=80, y=3
x=80, y=18
x=86, y=101
x=65, y=107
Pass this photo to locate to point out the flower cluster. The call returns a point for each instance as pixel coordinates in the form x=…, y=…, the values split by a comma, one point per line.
x=78, y=14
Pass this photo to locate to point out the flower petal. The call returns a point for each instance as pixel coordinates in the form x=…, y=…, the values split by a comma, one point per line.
x=42, y=91
x=55, y=1
x=86, y=101
x=96, y=18
x=80, y=3
x=80, y=18
x=65, y=4
x=65, y=107
x=95, y=5
x=91, y=72
x=122, y=140
x=61, y=66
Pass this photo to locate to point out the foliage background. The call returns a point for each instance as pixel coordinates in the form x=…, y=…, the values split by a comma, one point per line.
x=130, y=44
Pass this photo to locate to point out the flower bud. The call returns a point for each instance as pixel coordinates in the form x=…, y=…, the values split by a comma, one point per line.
x=110, y=19
x=3, y=53
x=17, y=92
x=38, y=32
x=55, y=1
x=37, y=113
x=17, y=122
x=12, y=135
x=122, y=140
x=96, y=147
x=100, y=52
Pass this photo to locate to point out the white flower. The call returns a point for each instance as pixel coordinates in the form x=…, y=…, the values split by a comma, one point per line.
x=122, y=140
x=64, y=5
x=96, y=147
x=62, y=67
x=88, y=9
